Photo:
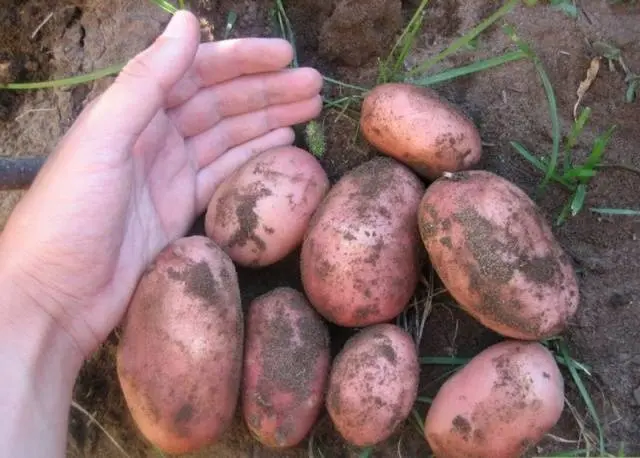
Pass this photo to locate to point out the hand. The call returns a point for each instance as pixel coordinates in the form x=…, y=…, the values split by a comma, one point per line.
x=141, y=163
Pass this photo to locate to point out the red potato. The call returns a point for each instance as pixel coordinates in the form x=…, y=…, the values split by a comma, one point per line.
x=260, y=213
x=501, y=403
x=373, y=384
x=497, y=256
x=415, y=125
x=360, y=257
x=286, y=366
x=179, y=361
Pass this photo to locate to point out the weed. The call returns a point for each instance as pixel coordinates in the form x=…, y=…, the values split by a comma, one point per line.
x=568, y=7
x=613, y=56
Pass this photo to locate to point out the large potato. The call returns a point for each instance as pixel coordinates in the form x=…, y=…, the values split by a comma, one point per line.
x=373, y=384
x=418, y=127
x=180, y=357
x=260, y=213
x=502, y=402
x=360, y=257
x=286, y=366
x=497, y=255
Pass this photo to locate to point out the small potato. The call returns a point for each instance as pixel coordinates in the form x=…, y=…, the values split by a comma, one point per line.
x=373, y=384
x=286, y=367
x=502, y=402
x=360, y=257
x=497, y=256
x=179, y=361
x=260, y=213
x=418, y=127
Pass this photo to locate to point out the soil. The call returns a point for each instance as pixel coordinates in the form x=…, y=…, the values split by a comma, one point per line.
x=344, y=39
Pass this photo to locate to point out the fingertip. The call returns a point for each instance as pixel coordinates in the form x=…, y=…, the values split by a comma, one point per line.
x=316, y=104
x=283, y=50
x=313, y=78
x=182, y=23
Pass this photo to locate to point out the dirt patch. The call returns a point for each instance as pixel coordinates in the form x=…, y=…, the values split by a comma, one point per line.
x=345, y=42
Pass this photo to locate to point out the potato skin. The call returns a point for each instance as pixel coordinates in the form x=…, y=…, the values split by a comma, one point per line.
x=260, y=213
x=373, y=384
x=497, y=256
x=503, y=401
x=418, y=127
x=360, y=257
x=179, y=360
x=286, y=367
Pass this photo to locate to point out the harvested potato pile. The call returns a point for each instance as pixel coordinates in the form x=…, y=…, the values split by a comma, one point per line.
x=190, y=356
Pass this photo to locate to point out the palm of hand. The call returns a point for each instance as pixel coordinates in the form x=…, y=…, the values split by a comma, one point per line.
x=141, y=163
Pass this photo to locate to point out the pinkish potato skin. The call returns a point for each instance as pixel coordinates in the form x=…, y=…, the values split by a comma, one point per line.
x=418, y=127
x=260, y=213
x=501, y=403
x=373, y=384
x=179, y=360
x=360, y=256
x=286, y=367
x=497, y=255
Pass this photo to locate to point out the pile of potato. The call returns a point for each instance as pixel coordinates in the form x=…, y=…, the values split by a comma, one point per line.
x=190, y=356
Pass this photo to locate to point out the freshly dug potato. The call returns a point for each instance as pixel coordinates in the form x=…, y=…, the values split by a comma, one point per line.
x=286, y=367
x=373, y=384
x=497, y=255
x=179, y=360
x=418, y=127
x=360, y=256
x=260, y=213
x=502, y=402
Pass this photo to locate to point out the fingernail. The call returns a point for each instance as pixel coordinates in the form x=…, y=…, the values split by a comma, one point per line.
x=177, y=25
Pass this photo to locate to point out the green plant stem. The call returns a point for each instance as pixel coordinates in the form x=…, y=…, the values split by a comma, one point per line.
x=347, y=85
x=465, y=39
x=72, y=81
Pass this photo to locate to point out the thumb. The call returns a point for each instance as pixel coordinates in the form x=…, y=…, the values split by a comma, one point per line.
x=140, y=90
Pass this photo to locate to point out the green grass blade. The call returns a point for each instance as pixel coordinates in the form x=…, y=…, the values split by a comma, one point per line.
x=418, y=419
x=424, y=400
x=165, y=5
x=366, y=453
x=616, y=211
x=551, y=100
x=564, y=213
x=64, y=82
x=584, y=393
x=475, y=67
x=232, y=17
x=287, y=29
x=466, y=38
x=572, y=138
x=528, y=156
x=632, y=90
x=347, y=85
x=578, y=199
x=579, y=172
x=599, y=146
x=570, y=453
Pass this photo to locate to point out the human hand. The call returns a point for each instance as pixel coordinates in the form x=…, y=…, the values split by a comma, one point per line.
x=141, y=163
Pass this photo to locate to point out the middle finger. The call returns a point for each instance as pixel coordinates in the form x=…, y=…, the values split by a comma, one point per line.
x=243, y=95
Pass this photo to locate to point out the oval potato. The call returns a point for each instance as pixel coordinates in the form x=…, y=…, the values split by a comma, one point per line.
x=286, y=366
x=415, y=125
x=179, y=360
x=497, y=256
x=502, y=402
x=259, y=214
x=373, y=384
x=360, y=257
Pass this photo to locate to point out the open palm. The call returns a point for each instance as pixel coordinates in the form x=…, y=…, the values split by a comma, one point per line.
x=142, y=162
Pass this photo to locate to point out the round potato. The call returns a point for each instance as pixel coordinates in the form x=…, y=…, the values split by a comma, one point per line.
x=497, y=255
x=260, y=213
x=360, y=256
x=286, y=366
x=418, y=127
x=502, y=402
x=179, y=360
x=373, y=384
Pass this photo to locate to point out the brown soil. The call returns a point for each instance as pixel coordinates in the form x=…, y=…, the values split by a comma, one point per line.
x=344, y=39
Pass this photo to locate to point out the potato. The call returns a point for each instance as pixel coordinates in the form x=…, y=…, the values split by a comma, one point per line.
x=503, y=401
x=360, y=256
x=260, y=213
x=179, y=360
x=373, y=384
x=497, y=255
x=286, y=367
x=415, y=125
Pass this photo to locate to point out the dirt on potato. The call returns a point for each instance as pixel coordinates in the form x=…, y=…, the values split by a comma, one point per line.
x=52, y=39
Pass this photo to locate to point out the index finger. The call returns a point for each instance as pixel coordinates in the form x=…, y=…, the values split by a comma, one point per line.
x=224, y=60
